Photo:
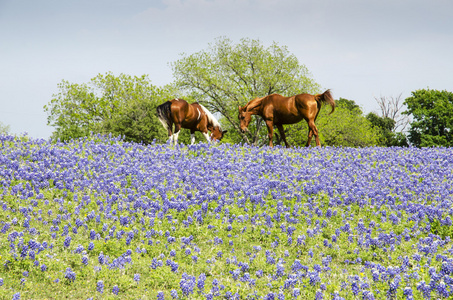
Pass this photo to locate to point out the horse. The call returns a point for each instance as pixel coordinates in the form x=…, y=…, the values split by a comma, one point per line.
x=190, y=116
x=279, y=110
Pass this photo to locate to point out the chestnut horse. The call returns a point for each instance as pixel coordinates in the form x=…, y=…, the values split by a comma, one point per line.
x=278, y=110
x=190, y=116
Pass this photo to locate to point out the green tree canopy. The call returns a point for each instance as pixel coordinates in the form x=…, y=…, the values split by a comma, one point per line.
x=386, y=127
x=228, y=75
x=122, y=105
x=432, y=113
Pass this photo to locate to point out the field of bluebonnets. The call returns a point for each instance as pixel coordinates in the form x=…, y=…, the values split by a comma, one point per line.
x=101, y=218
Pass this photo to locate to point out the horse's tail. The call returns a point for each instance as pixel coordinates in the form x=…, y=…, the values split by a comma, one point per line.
x=164, y=114
x=327, y=98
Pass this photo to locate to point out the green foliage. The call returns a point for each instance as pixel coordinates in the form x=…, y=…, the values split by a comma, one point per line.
x=346, y=127
x=432, y=113
x=386, y=126
x=4, y=129
x=436, y=227
x=228, y=75
x=122, y=105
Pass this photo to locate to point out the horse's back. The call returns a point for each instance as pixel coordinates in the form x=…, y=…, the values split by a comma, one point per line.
x=289, y=110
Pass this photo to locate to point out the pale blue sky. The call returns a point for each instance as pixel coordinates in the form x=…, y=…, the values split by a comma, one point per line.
x=359, y=49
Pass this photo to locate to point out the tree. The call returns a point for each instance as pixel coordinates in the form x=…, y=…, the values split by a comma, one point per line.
x=228, y=75
x=386, y=127
x=347, y=127
x=392, y=108
x=391, y=121
x=432, y=113
x=123, y=105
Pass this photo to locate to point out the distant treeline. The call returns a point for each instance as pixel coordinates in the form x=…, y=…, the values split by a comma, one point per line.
x=228, y=75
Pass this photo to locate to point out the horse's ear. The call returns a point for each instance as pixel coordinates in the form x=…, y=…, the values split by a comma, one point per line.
x=225, y=131
x=240, y=108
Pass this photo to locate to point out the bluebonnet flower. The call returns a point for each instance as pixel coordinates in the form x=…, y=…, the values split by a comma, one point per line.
x=101, y=258
x=201, y=282
x=43, y=268
x=155, y=263
x=67, y=241
x=100, y=286
x=187, y=284
x=407, y=292
x=160, y=296
x=355, y=288
x=115, y=290
x=442, y=290
x=16, y=296
x=319, y=295
x=92, y=234
x=314, y=278
x=173, y=265
x=137, y=277
x=174, y=294
x=235, y=273
x=70, y=275
x=79, y=249
x=270, y=260
x=280, y=270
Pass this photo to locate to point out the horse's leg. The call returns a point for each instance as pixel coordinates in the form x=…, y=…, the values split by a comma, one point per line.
x=314, y=131
x=176, y=134
x=192, y=137
x=310, y=135
x=170, y=134
x=207, y=137
x=270, y=130
x=282, y=134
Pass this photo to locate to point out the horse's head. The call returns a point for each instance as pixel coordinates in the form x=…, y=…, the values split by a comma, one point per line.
x=217, y=133
x=244, y=117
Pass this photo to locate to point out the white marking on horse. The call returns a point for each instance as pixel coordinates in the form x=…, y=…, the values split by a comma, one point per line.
x=207, y=137
x=199, y=114
x=211, y=118
x=175, y=138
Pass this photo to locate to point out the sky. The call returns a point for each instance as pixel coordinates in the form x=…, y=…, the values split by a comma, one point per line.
x=359, y=49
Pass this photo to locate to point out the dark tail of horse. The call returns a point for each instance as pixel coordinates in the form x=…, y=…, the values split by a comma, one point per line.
x=327, y=98
x=164, y=114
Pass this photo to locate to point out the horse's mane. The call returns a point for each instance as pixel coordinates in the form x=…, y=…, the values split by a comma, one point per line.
x=253, y=104
x=211, y=119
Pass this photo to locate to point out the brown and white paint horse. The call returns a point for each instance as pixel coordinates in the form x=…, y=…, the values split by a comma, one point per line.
x=278, y=110
x=190, y=116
